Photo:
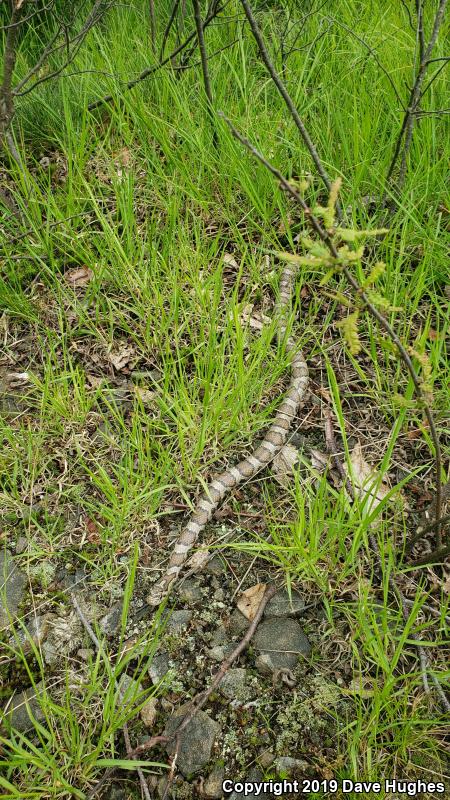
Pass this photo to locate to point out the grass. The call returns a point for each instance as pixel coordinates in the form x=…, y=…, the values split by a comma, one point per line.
x=147, y=377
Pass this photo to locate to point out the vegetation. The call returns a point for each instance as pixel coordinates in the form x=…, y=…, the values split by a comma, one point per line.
x=138, y=271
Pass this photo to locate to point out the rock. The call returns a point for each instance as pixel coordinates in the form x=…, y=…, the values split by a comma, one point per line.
x=128, y=687
x=281, y=643
x=280, y=605
x=37, y=630
x=21, y=545
x=234, y=684
x=237, y=624
x=220, y=651
x=190, y=592
x=85, y=653
x=149, y=712
x=18, y=716
x=215, y=566
x=64, y=636
x=159, y=667
x=12, y=588
x=286, y=766
x=266, y=759
x=196, y=741
x=179, y=620
x=110, y=622
x=212, y=786
x=254, y=775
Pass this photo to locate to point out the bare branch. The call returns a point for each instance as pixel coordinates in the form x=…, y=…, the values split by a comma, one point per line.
x=286, y=97
x=154, y=68
x=376, y=314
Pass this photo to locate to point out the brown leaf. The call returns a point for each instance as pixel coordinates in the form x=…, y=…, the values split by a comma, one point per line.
x=229, y=259
x=364, y=478
x=146, y=395
x=250, y=600
x=121, y=356
x=256, y=320
x=319, y=460
x=283, y=464
x=78, y=277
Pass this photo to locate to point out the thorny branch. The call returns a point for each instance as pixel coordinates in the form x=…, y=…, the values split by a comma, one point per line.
x=326, y=238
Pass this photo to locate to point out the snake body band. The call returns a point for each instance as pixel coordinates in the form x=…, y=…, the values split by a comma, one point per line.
x=272, y=443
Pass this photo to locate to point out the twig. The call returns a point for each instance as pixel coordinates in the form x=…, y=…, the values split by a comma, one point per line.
x=168, y=28
x=404, y=138
x=437, y=556
x=287, y=98
x=327, y=240
x=204, y=60
x=155, y=67
x=199, y=701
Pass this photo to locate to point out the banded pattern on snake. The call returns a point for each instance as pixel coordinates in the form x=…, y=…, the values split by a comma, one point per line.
x=272, y=443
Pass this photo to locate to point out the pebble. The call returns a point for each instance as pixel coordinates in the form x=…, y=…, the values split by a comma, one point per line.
x=281, y=605
x=212, y=786
x=12, y=588
x=280, y=644
x=149, y=712
x=159, y=667
x=195, y=742
x=18, y=715
x=234, y=684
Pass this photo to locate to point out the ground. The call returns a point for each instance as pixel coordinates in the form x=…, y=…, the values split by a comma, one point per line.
x=138, y=359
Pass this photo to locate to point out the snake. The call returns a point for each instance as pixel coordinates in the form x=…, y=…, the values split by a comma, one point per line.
x=262, y=455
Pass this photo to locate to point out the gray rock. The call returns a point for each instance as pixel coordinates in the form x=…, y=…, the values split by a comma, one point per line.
x=254, y=775
x=18, y=716
x=215, y=566
x=220, y=651
x=234, y=684
x=22, y=544
x=129, y=687
x=290, y=766
x=237, y=624
x=12, y=588
x=281, y=643
x=280, y=605
x=159, y=667
x=190, y=592
x=213, y=784
x=196, y=741
x=179, y=620
x=110, y=622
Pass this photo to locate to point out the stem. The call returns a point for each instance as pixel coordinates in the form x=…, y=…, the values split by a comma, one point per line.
x=327, y=240
x=287, y=99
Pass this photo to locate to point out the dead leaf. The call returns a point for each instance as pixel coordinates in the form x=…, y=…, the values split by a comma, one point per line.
x=283, y=464
x=256, y=320
x=319, y=460
x=78, y=277
x=121, y=356
x=18, y=378
x=365, y=477
x=250, y=600
x=146, y=395
x=230, y=260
